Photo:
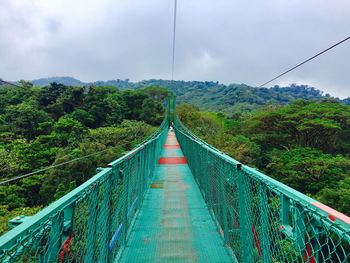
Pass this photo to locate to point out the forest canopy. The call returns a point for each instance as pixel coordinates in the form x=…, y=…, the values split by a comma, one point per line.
x=305, y=144
x=54, y=124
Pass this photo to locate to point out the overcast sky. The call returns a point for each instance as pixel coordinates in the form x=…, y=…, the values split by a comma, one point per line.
x=230, y=41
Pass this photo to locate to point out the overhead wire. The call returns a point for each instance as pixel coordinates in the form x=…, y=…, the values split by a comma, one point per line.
x=174, y=41
x=305, y=61
x=9, y=83
x=58, y=165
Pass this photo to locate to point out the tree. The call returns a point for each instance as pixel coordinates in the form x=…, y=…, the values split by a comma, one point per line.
x=62, y=190
x=106, y=106
x=66, y=102
x=321, y=125
x=9, y=164
x=49, y=94
x=84, y=117
x=152, y=112
x=11, y=196
x=308, y=170
x=115, y=109
x=24, y=119
x=133, y=101
x=338, y=196
x=68, y=131
x=157, y=93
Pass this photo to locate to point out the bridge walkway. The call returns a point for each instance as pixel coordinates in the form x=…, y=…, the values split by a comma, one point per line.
x=174, y=224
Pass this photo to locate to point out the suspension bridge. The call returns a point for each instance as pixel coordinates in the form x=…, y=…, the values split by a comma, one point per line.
x=175, y=198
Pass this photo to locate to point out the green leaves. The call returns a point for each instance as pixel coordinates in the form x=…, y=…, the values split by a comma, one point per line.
x=68, y=132
x=308, y=170
x=337, y=196
x=305, y=145
x=40, y=127
x=24, y=119
x=307, y=124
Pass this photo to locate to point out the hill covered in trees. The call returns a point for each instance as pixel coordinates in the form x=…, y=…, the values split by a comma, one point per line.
x=294, y=134
x=214, y=96
x=305, y=144
x=56, y=124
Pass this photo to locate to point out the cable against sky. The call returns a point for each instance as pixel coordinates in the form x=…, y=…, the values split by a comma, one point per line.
x=302, y=63
x=174, y=38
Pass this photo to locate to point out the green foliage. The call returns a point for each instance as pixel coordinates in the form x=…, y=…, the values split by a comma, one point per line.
x=62, y=190
x=216, y=129
x=47, y=126
x=83, y=116
x=68, y=132
x=11, y=196
x=307, y=169
x=305, y=144
x=128, y=133
x=320, y=125
x=233, y=98
x=31, y=187
x=9, y=164
x=337, y=196
x=24, y=119
x=152, y=112
x=22, y=156
x=157, y=93
x=105, y=105
x=6, y=215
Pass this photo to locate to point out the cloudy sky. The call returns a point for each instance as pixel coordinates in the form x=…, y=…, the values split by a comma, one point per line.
x=231, y=41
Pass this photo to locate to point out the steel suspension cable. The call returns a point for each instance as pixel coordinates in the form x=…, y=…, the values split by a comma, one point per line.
x=302, y=63
x=174, y=41
x=9, y=83
x=59, y=164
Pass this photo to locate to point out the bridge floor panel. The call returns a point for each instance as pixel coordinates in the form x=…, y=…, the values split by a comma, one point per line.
x=174, y=224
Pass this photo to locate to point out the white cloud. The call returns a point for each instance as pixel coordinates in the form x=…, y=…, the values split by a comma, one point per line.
x=229, y=41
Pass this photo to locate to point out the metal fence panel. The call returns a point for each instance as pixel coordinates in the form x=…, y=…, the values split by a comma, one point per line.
x=263, y=220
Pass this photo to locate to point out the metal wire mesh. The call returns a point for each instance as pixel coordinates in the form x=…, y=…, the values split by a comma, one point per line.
x=91, y=223
x=261, y=219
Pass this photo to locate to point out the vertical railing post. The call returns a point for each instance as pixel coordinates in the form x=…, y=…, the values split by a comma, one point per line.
x=223, y=204
x=285, y=212
x=55, y=238
x=245, y=223
x=299, y=227
x=90, y=248
x=209, y=186
x=207, y=181
x=103, y=221
x=126, y=177
x=265, y=239
x=142, y=171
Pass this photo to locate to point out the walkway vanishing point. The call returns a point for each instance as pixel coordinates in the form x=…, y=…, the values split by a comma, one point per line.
x=174, y=224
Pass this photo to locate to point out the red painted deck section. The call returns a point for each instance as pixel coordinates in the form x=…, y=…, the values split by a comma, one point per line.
x=172, y=160
x=169, y=146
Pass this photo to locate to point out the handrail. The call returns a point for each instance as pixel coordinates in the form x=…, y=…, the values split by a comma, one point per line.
x=246, y=202
x=58, y=231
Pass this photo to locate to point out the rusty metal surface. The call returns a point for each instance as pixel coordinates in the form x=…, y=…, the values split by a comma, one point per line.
x=174, y=224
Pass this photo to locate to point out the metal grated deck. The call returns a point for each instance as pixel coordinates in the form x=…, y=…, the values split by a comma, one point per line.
x=174, y=224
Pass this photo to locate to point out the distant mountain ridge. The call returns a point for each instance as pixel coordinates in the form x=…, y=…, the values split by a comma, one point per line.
x=211, y=95
x=69, y=81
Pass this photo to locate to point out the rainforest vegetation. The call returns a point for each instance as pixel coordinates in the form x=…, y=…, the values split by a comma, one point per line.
x=55, y=124
x=305, y=144
x=296, y=134
x=212, y=95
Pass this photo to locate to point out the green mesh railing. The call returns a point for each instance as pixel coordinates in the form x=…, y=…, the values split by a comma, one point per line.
x=91, y=223
x=261, y=219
